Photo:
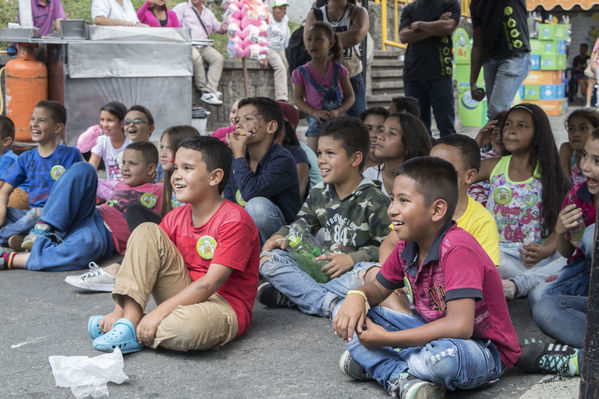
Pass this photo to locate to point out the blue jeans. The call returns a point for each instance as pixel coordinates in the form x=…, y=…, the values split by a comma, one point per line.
x=439, y=95
x=357, y=83
x=266, y=215
x=283, y=272
x=18, y=221
x=503, y=78
x=562, y=317
x=573, y=279
x=71, y=210
x=453, y=363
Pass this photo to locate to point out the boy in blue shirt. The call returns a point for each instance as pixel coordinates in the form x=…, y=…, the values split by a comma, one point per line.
x=19, y=198
x=41, y=167
x=7, y=135
x=263, y=175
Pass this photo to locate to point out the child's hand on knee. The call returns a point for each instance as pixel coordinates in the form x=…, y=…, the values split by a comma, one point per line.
x=337, y=264
x=146, y=329
x=350, y=317
x=372, y=335
x=274, y=242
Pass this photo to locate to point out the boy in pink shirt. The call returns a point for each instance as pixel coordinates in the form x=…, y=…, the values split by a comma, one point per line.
x=462, y=336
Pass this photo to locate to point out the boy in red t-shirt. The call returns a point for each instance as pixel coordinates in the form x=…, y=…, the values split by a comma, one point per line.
x=462, y=336
x=201, y=265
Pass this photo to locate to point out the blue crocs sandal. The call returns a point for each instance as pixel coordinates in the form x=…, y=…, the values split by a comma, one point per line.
x=121, y=336
x=93, y=326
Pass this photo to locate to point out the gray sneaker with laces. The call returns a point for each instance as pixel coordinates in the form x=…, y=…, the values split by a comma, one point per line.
x=95, y=279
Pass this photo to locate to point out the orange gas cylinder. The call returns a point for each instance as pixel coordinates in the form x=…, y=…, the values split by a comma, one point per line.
x=26, y=85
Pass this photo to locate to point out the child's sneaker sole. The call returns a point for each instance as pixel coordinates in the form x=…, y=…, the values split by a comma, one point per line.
x=16, y=242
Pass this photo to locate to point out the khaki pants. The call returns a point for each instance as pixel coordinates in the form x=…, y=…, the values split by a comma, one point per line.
x=153, y=265
x=207, y=82
x=278, y=62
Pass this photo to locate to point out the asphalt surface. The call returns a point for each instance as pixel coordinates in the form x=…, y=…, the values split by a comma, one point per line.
x=284, y=353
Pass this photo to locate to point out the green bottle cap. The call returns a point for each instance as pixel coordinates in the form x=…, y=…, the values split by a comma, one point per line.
x=316, y=251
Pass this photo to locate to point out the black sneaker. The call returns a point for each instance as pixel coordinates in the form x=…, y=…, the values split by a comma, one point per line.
x=351, y=368
x=271, y=297
x=538, y=357
x=409, y=387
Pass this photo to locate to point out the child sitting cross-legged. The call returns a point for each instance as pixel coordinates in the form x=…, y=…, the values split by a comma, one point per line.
x=352, y=212
x=71, y=231
x=41, y=167
x=200, y=264
x=462, y=336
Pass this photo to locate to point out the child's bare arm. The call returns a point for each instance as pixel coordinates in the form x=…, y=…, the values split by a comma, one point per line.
x=387, y=246
x=197, y=292
x=94, y=159
x=348, y=98
x=352, y=314
x=457, y=323
x=298, y=100
x=486, y=167
x=568, y=219
x=5, y=191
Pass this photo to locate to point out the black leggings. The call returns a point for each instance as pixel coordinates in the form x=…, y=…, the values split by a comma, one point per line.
x=137, y=214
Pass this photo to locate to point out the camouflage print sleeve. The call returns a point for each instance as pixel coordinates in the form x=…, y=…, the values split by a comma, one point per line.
x=308, y=211
x=376, y=227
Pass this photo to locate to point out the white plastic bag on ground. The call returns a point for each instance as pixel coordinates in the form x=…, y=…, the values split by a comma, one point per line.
x=88, y=376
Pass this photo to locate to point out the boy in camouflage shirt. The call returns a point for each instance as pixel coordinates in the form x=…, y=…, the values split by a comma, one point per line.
x=351, y=210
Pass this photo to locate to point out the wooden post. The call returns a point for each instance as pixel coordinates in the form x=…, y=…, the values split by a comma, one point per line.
x=589, y=379
x=245, y=77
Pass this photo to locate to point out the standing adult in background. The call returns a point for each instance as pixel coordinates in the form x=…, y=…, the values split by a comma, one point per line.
x=501, y=45
x=46, y=15
x=427, y=26
x=278, y=40
x=202, y=22
x=579, y=63
x=154, y=13
x=350, y=23
x=114, y=13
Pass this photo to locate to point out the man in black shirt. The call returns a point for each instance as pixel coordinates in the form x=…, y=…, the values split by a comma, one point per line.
x=500, y=44
x=578, y=65
x=427, y=26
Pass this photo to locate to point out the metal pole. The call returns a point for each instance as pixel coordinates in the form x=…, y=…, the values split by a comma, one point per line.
x=364, y=49
x=589, y=383
x=25, y=16
x=245, y=77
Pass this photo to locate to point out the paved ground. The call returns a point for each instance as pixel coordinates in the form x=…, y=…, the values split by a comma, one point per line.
x=284, y=354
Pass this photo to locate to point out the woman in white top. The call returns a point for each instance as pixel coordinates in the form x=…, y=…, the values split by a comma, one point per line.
x=115, y=13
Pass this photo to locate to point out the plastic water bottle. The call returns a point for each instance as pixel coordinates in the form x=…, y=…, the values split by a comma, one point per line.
x=304, y=249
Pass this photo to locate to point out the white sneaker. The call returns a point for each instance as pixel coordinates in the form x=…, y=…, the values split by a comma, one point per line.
x=218, y=94
x=94, y=280
x=211, y=98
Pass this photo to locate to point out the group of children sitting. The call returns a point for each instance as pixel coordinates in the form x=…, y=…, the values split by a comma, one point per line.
x=417, y=270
